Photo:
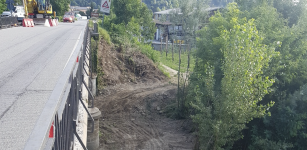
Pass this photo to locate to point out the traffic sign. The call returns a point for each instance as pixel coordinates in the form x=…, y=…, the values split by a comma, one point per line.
x=95, y=15
x=105, y=6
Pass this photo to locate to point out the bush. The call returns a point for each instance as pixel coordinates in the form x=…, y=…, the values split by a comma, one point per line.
x=147, y=50
x=104, y=34
x=60, y=18
x=90, y=23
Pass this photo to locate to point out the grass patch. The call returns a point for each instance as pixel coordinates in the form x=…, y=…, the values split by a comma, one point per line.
x=147, y=50
x=164, y=71
x=174, y=64
x=90, y=23
x=104, y=34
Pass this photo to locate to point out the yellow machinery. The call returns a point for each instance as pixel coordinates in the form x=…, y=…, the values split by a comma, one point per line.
x=37, y=9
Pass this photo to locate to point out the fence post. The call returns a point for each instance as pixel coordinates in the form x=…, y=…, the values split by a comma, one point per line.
x=93, y=137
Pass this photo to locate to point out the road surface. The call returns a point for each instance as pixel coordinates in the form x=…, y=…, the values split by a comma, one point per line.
x=31, y=61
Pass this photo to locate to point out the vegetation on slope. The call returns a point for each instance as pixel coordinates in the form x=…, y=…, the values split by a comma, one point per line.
x=247, y=88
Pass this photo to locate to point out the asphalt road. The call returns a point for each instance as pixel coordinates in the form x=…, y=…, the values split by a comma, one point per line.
x=31, y=61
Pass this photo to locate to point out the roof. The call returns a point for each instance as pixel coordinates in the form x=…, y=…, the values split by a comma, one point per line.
x=168, y=11
x=213, y=8
x=79, y=8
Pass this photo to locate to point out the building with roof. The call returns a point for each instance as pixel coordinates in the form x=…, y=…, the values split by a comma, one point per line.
x=77, y=9
x=166, y=30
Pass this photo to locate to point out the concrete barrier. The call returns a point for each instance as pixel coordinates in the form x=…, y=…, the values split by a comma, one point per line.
x=46, y=24
x=27, y=23
x=7, y=22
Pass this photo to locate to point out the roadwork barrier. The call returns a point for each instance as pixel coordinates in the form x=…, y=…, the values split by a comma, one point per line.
x=52, y=22
x=7, y=22
x=27, y=23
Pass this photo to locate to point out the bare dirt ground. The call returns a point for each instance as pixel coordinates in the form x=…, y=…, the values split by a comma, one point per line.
x=133, y=104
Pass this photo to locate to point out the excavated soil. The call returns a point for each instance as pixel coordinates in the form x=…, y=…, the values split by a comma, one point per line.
x=133, y=100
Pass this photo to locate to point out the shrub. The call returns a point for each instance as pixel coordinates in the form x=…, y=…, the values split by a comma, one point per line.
x=105, y=35
x=147, y=50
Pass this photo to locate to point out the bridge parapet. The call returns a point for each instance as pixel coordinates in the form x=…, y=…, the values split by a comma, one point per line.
x=56, y=127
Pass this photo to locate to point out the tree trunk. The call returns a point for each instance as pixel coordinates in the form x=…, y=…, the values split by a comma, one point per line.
x=161, y=45
x=185, y=81
x=189, y=50
x=178, y=90
x=166, y=50
x=173, y=50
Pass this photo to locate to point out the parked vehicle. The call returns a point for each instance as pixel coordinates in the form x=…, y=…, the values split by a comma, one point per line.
x=78, y=16
x=6, y=14
x=18, y=12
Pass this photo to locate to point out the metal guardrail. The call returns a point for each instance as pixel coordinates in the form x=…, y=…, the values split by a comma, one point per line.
x=6, y=22
x=56, y=126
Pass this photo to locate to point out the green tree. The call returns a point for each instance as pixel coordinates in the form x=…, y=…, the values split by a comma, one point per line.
x=2, y=6
x=283, y=22
x=228, y=79
x=189, y=16
x=158, y=9
x=60, y=6
x=82, y=13
x=125, y=12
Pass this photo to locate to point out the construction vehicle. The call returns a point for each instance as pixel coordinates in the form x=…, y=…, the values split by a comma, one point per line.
x=38, y=10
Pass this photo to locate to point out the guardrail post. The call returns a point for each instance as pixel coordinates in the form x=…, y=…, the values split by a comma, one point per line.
x=93, y=137
x=94, y=77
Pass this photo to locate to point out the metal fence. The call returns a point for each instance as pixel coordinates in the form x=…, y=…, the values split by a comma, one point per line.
x=7, y=22
x=56, y=127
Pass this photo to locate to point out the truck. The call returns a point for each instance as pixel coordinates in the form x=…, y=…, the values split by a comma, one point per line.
x=18, y=11
x=38, y=10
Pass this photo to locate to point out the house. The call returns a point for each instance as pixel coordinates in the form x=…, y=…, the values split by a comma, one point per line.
x=166, y=30
x=77, y=9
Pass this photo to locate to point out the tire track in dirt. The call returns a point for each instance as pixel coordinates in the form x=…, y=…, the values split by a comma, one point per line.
x=132, y=124
x=132, y=103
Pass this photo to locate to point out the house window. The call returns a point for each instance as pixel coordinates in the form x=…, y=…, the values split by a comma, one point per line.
x=179, y=28
x=170, y=28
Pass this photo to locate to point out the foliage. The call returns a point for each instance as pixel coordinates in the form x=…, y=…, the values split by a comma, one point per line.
x=129, y=25
x=2, y=6
x=60, y=18
x=129, y=20
x=189, y=15
x=157, y=5
x=134, y=15
x=60, y=6
x=147, y=50
x=285, y=129
x=281, y=22
x=167, y=60
x=220, y=3
x=91, y=24
x=104, y=34
x=228, y=79
x=189, y=20
x=164, y=71
x=18, y=2
x=82, y=13
x=85, y=3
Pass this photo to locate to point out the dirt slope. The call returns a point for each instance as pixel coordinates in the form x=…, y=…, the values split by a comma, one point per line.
x=132, y=103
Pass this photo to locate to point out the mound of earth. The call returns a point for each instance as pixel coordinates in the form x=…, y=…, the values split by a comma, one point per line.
x=121, y=67
x=133, y=102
